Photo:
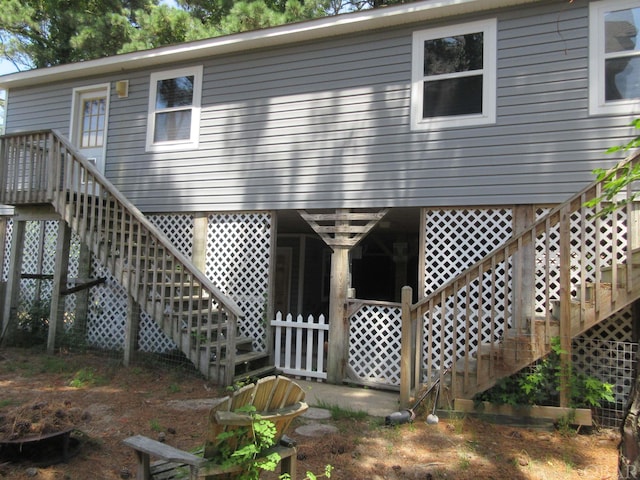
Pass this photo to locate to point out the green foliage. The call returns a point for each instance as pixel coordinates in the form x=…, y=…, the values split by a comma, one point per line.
x=85, y=377
x=617, y=179
x=42, y=33
x=155, y=425
x=32, y=324
x=541, y=386
x=245, y=447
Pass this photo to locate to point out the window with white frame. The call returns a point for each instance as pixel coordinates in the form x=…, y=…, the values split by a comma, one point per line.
x=614, y=57
x=174, y=109
x=454, y=76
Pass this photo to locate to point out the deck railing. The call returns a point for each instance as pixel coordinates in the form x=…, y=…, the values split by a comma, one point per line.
x=43, y=167
x=554, y=278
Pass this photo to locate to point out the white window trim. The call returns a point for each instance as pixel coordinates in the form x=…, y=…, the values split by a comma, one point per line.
x=597, y=103
x=193, y=141
x=488, y=116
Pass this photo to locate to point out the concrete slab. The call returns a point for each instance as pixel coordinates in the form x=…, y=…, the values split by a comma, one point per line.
x=376, y=403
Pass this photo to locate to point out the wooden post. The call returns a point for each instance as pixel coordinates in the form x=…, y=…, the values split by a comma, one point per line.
x=406, y=350
x=338, y=323
x=200, y=227
x=12, y=293
x=131, y=330
x=523, y=273
x=271, y=294
x=56, y=315
x=565, y=304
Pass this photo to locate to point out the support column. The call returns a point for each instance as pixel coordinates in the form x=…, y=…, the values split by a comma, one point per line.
x=200, y=227
x=56, y=316
x=271, y=294
x=565, y=305
x=406, y=349
x=131, y=330
x=13, y=283
x=523, y=274
x=338, y=323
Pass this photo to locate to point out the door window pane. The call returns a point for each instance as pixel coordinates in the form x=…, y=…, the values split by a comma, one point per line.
x=92, y=124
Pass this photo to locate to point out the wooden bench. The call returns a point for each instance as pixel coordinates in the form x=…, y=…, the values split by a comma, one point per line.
x=276, y=399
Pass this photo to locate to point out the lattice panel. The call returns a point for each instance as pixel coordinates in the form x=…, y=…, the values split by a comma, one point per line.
x=238, y=257
x=7, y=249
x=374, y=344
x=74, y=264
x=151, y=338
x=455, y=240
x=617, y=328
x=107, y=314
x=547, y=265
x=38, y=257
x=178, y=228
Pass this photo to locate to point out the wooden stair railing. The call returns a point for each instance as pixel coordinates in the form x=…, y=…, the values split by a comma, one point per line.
x=579, y=280
x=43, y=167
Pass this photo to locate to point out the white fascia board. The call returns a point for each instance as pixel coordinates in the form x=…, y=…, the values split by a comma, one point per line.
x=270, y=37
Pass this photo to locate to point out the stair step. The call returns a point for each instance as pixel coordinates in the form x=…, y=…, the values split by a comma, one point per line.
x=621, y=271
x=250, y=357
x=195, y=314
x=191, y=299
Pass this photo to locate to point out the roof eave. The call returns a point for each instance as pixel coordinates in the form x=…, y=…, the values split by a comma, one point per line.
x=270, y=37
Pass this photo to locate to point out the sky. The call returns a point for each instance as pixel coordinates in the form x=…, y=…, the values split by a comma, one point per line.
x=6, y=67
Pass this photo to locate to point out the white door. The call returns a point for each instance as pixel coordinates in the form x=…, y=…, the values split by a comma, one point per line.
x=89, y=123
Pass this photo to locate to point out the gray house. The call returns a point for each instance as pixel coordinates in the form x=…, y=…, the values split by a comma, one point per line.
x=315, y=166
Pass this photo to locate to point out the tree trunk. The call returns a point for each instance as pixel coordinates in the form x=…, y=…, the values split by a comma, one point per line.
x=629, y=457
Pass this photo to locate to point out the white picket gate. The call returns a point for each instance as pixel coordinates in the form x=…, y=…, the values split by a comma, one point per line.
x=303, y=343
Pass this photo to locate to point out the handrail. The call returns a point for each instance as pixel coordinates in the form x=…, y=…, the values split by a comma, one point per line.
x=482, y=321
x=44, y=167
x=227, y=302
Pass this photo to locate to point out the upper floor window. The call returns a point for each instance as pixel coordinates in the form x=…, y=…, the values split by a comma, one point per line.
x=614, y=57
x=454, y=76
x=174, y=109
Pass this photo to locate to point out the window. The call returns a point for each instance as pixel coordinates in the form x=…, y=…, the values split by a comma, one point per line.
x=614, y=57
x=174, y=110
x=454, y=76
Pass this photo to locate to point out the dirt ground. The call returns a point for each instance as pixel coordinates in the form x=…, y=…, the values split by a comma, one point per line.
x=111, y=402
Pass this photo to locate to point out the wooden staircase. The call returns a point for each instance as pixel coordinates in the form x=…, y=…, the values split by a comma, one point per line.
x=553, y=279
x=44, y=168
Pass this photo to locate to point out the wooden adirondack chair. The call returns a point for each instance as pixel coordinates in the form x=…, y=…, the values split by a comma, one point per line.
x=277, y=399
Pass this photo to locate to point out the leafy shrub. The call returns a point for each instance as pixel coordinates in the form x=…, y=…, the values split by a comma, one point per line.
x=541, y=386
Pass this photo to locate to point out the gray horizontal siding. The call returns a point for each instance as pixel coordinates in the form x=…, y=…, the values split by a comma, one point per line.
x=326, y=124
